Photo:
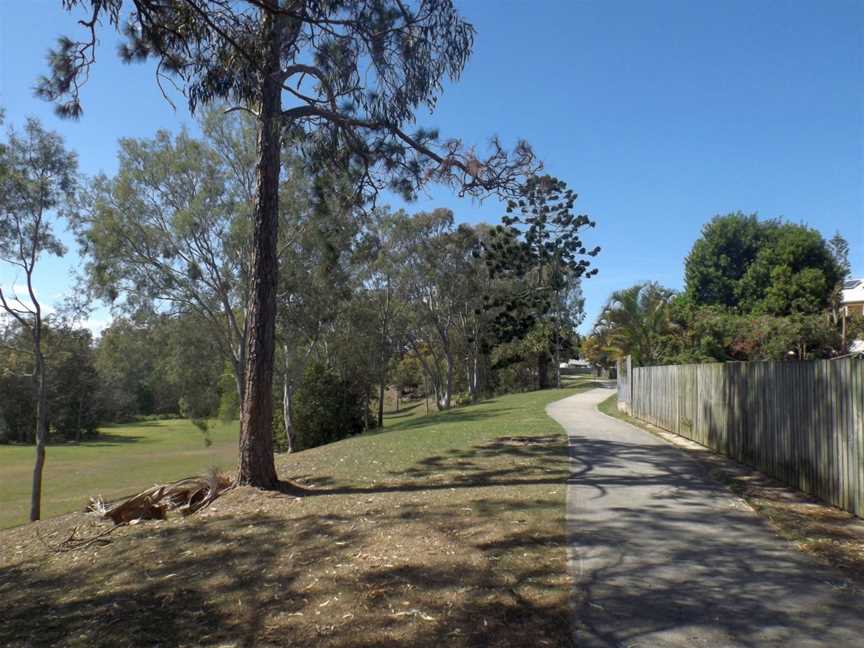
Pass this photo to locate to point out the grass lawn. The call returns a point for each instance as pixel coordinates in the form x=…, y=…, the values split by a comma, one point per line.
x=121, y=461
x=445, y=529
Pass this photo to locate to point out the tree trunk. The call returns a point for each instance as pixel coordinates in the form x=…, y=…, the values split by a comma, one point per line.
x=257, y=467
x=448, y=389
x=542, y=370
x=557, y=357
x=41, y=433
x=381, y=402
x=365, y=410
x=287, y=397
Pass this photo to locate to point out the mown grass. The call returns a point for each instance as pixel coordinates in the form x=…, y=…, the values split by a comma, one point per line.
x=120, y=461
x=445, y=529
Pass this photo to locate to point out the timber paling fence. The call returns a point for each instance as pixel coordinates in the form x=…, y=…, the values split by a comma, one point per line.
x=801, y=422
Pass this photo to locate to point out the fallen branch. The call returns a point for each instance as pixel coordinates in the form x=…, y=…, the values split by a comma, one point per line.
x=73, y=542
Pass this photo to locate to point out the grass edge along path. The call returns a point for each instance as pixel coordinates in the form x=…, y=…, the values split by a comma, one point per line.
x=441, y=529
x=828, y=534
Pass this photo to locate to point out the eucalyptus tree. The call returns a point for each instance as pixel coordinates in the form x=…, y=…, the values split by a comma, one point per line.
x=315, y=276
x=171, y=230
x=377, y=259
x=38, y=180
x=435, y=281
x=343, y=78
x=167, y=232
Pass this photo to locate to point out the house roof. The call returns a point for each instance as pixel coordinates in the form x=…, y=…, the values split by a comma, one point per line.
x=853, y=291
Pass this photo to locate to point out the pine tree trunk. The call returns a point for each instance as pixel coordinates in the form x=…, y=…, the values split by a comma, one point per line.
x=41, y=434
x=257, y=467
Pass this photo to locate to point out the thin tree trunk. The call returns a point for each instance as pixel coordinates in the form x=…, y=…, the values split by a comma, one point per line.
x=287, y=398
x=257, y=467
x=41, y=433
x=557, y=340
x=448, y=389
x=366, y=410
x=290, y=434
x=381, y=402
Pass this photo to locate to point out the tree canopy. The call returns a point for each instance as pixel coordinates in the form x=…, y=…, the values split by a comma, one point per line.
x=765, y=267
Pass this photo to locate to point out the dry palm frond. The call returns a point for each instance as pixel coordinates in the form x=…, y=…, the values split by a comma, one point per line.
x=185, y=495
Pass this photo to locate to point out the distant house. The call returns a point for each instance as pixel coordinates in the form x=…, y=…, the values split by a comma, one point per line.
x=853, y=296
x=853, y=304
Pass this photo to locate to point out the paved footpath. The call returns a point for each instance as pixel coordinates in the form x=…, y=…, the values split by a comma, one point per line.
x=662, y=555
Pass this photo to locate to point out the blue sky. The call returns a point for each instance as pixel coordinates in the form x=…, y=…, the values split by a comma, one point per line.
x=660, y=114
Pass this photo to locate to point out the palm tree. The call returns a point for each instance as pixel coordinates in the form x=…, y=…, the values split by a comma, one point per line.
x=635, y=321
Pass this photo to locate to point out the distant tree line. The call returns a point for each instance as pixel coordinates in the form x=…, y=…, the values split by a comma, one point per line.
x=754, y=290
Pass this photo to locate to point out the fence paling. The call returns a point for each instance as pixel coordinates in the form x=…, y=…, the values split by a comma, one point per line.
x=801, y=422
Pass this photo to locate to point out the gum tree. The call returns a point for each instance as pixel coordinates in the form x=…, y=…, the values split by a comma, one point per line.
x=37, y=181
x=342, y=78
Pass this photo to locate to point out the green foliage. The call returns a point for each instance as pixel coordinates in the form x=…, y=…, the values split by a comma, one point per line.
x=635, y=322
x=539, y=246
x=720, y=258
x=326, y=408
x=229, y=399
x=72, y=384
x=761, y=267
x=713, y=334
x=839, y=248
x=407, y=375
x=280, y=438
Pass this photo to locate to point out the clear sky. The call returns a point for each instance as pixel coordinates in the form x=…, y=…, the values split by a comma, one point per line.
x=660, y=114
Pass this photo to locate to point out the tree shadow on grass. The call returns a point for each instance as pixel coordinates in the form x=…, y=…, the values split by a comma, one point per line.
x=466, y=548
x=365, y=567
x=252, y=579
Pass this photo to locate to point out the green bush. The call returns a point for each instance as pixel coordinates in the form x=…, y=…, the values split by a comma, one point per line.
x=280, y=439
x=326, y=408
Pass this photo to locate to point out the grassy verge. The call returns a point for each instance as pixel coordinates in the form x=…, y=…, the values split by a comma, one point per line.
x=440, y=530
x=122, y=460
x=828, y=534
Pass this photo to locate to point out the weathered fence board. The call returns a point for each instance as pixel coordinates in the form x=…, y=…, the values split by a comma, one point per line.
x=801, y=422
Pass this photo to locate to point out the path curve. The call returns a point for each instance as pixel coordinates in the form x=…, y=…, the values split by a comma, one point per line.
x=662, y=555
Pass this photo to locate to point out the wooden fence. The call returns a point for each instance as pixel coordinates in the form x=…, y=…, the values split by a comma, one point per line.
x=799, y=421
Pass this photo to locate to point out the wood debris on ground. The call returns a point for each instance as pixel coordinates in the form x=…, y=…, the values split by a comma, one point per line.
x=184, y=496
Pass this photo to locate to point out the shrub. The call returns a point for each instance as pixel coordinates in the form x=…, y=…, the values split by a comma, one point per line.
x=326, y=408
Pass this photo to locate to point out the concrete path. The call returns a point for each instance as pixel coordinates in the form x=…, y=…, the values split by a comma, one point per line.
x=662, y=555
